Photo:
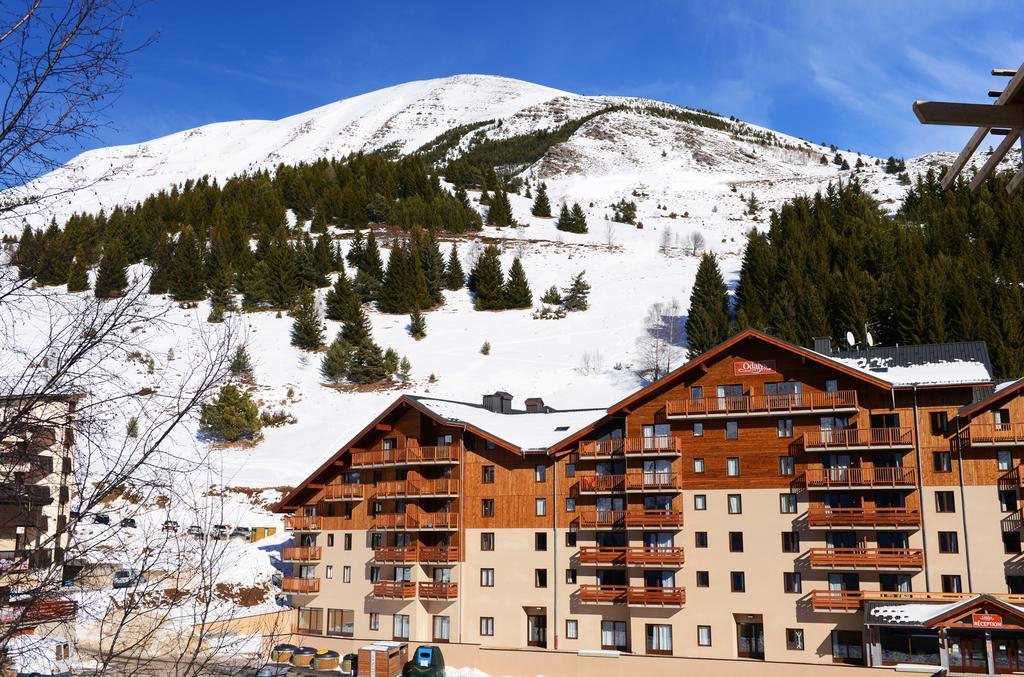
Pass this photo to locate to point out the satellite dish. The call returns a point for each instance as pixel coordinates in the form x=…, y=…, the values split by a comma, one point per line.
x=850, y=340
x=871, y=339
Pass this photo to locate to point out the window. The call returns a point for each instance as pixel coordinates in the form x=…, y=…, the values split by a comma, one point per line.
x=487, y=578
x=487, y=626
x=570, y=504
x=791, y=582
x=700, y=502
x=700, y=539
x=703, y=579
x=374, y=574
x=310, y=620
x=1004, y=460
x=696, y=392
x=732, y=466
x=659, y=639
x=698, y=465
x=487, y=474
x=540, y=473
x=614, y=635
x=735, y=504
x=703, y=635
x=330, y=540
x=831, y=385
x=943, y=461
x=346, y=574
x=787, y=465
x=951, y=583
x=487, y=540
x=487, y=507
x=940, y=422
x=1011, y=542
x=570, y=539
x=401, y=626
x=944, y=501
x=572, y=628
x=847, y=647
x=790, y=541
x=570, y=470
x=341, y=622
x=541, y=506
x=735, y=541
x=732, y=430
x=570, y=576
x=698, y=430
x=795, y=639
x=540, y=541
x=540, y=578
x=784, y=427
x=948, y=542
x=374, y=620
x=738, y=581
x=787, y=503
x=347, y=542
x=1008, y=500
x=442, y=628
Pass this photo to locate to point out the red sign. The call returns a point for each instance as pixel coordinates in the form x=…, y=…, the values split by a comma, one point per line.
x=986, y=620
x=753, y=367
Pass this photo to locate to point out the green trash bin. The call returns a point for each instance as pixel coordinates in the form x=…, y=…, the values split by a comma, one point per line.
x=426, y=662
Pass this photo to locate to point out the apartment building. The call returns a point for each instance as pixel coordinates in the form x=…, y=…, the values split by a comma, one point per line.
x=762, y=502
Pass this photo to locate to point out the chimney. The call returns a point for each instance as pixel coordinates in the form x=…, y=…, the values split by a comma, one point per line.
x=823, y=345
x=535, y=405
x=500, y=402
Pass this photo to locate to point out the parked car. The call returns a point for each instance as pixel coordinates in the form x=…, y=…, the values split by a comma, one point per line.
x=128, y=523
x=126, y=578
x=195, y=530
x=170, y=525
x=241, y=532
x=101, y=518
x=219, y=531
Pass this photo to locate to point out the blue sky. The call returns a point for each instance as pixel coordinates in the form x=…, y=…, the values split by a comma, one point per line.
x=840, y=72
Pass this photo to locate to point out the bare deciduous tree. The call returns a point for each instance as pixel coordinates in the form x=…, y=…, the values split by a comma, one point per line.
x=658, y=348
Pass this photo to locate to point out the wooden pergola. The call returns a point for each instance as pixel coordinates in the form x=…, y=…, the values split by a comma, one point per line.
x=1004, y=117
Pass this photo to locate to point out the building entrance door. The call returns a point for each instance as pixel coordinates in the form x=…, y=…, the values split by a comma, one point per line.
x=967, y=653
x=537, y=631
x=750, y=640
x=1008, y=654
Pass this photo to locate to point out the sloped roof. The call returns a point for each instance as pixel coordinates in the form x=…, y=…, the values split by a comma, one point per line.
x=926, y=364
x=930, y=614
x=1001, y=393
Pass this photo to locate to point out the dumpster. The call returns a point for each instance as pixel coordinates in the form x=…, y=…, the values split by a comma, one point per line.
x=427, y=662
x=383, y=659
x=282, y=653
x=303, y=656
x=349, y=664
x=325, y=659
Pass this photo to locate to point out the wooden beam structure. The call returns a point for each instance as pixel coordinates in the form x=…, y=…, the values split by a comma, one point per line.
x=1003, y=117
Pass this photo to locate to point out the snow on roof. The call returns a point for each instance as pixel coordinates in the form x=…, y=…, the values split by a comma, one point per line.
x=914, y=613
x=528, y=431
x=1006, y=384
x=926, y=364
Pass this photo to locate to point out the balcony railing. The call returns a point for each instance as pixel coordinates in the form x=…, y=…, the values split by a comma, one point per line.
x=634, y=481
x=840, y=478
x=994, y=434
x=394, y=589
x=632, y=519
x=302, y=522
x=343, y=492
x=436, y=590
x=850, y=600
x=412, y=553
x=442, y=554
x=410, y=455
x=443, y=486
x=301, y=554
x=24, y=462
x=821, y=516
x=632, y=595
x=417, y=521
x=662, y=445
x=761, y=405
x=867, y=558
x=859, y=438
x=637, y=555
x=301, y=585
x=38, y=611
x=23, y=560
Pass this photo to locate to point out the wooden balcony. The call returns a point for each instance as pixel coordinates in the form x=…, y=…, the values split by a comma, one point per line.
x=412, y=553
x=859, y=438
x=630, y=482
x=670, y=556
x=639, y=447
x=850, y=600
x=994, y=434
x=435, y=590
x=394, y=521
x=443, y=486
x=394, y=589
x=633, y=519
x=632, y=595
x=410, y=455
x=343, y=492
x=302, y=586
x=35, y=611
x=896, y=518
x=867, y=558
x=417, y=521
x=302, y=523
x=438, y=554
x=860, y=478
x=300, y=554
x=762, y=405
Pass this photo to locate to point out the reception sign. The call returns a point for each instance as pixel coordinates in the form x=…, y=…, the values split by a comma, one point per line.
x=986, y=620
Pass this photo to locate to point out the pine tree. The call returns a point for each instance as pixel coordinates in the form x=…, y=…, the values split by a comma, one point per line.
x=390, y=361
x=78, y=277
x=753, y=294
x=397, y=291
x=372, y=262
x=454, y=278
x=356, y=251
x=278, y=276
x=500, y=212
x=708, y=319
x=552, y=296
x=489, y=281
x=517, y=289
x=231, y=416
x=54, y=258
x=564, y=219
x=404, y=370
x=417, y=325
x=307, y=330
x=576, y=297
x=366, y=364
x=541, y=204
x=189, y=274
x=112, y=276
x=335, y=364
x=162, y=266
x=241, y=365
x=579, y=219
x=432, y=264
x=27, y=253
x=340, y=299
x=357, y=329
